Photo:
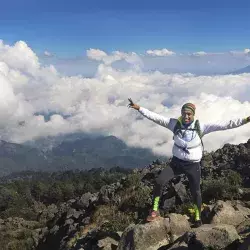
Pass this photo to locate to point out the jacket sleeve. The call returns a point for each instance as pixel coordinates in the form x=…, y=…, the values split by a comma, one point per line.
x=223, y=125
x=161, y=120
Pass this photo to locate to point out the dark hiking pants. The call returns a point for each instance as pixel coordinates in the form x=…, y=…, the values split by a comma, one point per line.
x=193, y=172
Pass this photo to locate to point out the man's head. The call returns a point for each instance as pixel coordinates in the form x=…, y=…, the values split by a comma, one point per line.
x=188, y=112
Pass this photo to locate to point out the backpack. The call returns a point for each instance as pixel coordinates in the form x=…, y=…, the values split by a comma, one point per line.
x=196, y=128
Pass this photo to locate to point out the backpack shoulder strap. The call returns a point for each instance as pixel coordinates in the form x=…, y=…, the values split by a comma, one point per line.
x=198, y=129
x=177, y=125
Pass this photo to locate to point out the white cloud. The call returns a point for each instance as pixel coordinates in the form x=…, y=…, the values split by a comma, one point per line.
x=99, y=55
x=247, y=51
x=162, y=52
x=99, y=104
x=200, y=53
x=220, y=62
x=233, y=52
x=47, y=53
x=19, y=56
x=96, y=54
x=240, y=53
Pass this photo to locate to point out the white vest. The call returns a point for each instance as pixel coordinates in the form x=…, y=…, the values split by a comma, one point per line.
x=187, y=144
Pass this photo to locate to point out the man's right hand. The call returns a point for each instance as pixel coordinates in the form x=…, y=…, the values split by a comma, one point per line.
x=133, y=105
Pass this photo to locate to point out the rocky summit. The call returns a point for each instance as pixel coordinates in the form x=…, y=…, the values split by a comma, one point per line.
x=112, y=216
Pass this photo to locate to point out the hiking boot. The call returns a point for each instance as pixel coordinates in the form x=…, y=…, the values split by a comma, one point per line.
x=154, y=215
x=197, y=223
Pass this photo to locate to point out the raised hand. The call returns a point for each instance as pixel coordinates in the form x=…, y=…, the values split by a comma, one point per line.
x=133, y=105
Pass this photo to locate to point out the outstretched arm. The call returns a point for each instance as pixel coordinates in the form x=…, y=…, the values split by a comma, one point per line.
x=161, y=120
x=224, y=125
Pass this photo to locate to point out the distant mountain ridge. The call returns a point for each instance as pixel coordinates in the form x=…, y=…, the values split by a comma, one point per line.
x=16, y=157
x=241, y=71
x=84, y=153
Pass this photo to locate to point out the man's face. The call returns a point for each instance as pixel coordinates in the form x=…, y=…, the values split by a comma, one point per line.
x=187, y=116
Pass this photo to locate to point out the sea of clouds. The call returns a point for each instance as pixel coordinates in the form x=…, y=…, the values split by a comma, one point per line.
x=30, y=91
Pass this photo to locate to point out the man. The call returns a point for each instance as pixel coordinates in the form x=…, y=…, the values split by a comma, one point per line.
x=187, y=151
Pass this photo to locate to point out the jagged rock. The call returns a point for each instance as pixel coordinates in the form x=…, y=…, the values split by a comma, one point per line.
x=86, y=220
x=72, y=201
x=68, y=222
x=243, y=228
x=178, y=225
x=225, y=213
x=119, y=233
x=107, y=192
x=72, y=213
x=240, y=206
x=169, y=203
x=148, y=236
x=181, y=192
x=107, y=243
x=95, y=239
x=235, y=157
x=153, y=235
x=159, y=234
x=214, y=236
x=62, y=209
x=85, y=200
x=54, y=229
x=174, y=194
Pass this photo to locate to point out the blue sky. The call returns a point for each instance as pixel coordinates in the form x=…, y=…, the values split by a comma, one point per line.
x=163, y=72
x=69, y=28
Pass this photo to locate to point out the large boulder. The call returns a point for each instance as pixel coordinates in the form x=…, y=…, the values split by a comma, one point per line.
x=208, y=236
x=153, y=235
x=86, y=200
x=226, y=213
x=148, y=236
x=175, y=232
x=214, y=236
x=178, y=225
